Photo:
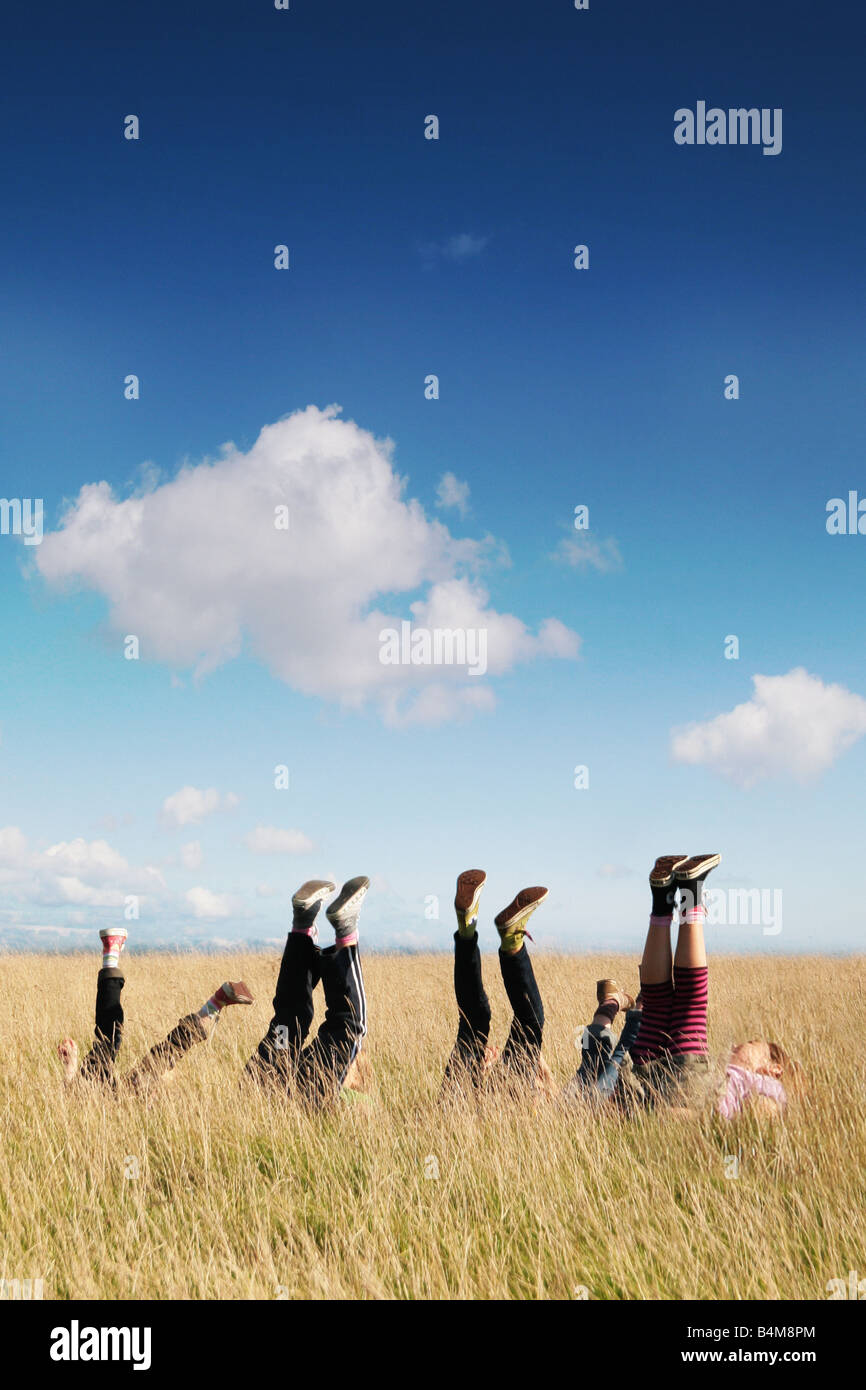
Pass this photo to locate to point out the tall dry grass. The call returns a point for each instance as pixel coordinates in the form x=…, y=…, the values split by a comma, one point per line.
x=238, y=1195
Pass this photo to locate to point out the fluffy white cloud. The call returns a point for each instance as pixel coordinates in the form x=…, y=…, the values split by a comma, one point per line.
x=85, y=873
x=452, y=492
x=269, y=839
x=208, y=906
x=197, y=568
x=190, y=805
x=583, y=552
x=191, y=855
x=793, y=724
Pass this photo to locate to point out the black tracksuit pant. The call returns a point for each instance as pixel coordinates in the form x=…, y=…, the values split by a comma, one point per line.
x=315, y=1072
x=523, y=1048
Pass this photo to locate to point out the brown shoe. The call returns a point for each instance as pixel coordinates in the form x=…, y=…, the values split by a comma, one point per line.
x=469, y=886
x=612, y=989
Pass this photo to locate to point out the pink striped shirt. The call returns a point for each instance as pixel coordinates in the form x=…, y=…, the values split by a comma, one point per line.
x=740, y=1084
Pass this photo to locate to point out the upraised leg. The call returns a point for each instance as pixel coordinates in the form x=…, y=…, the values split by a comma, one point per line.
x=466, y=1063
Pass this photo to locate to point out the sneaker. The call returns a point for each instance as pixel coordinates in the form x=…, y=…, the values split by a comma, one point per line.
x=313, y=891
x=663, y=870
x=113, y=941
x=612, y=989
x=115, y=936
x=511, y=921
x=466, y=900
x=235, y=992
x=345, y=909
x=306, y=902
x=697, y=867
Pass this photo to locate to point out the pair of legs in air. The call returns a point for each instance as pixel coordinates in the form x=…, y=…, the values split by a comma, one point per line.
x=665, y=1031
x=331, y=1064
x=99, y=1064
x=473, y=1057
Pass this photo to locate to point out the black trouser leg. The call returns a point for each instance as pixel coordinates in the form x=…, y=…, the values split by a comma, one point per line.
x=323, y=1065
x=523, y=1048
x=300, y=970
x=98, y=1065
x=473, y=1008
x=161, y=1058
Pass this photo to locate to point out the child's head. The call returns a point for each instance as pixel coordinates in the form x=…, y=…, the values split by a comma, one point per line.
x=767, y=1059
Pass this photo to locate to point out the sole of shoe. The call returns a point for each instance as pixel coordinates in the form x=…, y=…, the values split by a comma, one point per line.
x=697, y=867
x=312, y=891
x=351, y=893
x=663, y=870
x=469, y=886
x=520, y=908
x=119, y=933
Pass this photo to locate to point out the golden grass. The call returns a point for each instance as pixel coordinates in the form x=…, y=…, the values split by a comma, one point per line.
x=238, y=1195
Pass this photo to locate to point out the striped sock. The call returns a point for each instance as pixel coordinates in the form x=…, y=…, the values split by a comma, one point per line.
x=694, y=915
x=213, y=1005
x=665, y=921
x=111, y=949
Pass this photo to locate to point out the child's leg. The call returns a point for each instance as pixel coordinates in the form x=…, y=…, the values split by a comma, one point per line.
x=277, y=1054
x=324, y=1065
x=689, y=1014
x=601, y=1056
x=656, y=965
x=191, y=1029
x=98, y=1065
x=473, y=1006
x=523, y=1048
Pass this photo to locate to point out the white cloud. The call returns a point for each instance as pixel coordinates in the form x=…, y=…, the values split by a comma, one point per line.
x=191, y=855
x=462, y=247
x=190, y=805
x=207, y=905
x=452, y=492
x=86, y=873
x=13, y=844
x=269, y=839
x=95, y=859
x=793, y=724
x=583, y=551
x=615, y=871
x=198, y=570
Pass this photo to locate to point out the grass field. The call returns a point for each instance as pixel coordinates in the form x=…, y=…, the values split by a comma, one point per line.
x=216, y=1191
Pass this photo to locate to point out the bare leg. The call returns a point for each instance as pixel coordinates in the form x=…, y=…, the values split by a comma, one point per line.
x=656, y=964
x=691, y=949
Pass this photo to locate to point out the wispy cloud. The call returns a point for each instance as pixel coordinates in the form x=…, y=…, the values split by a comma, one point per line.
x=191, y=805
x=583, y=551
x=270, y=839
x=462, y=247
x=452, y=492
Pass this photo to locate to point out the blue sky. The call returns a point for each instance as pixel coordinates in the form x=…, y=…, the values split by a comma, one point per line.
x=558, y=387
